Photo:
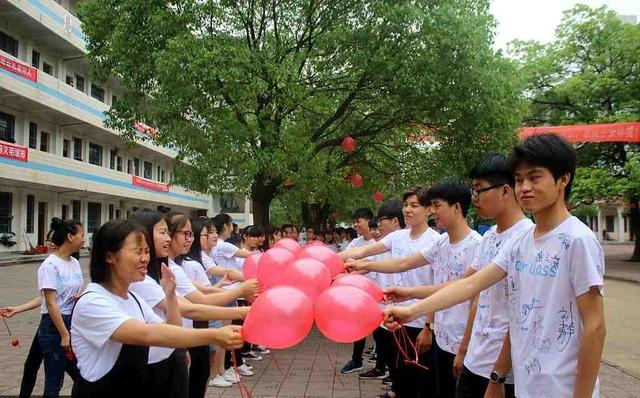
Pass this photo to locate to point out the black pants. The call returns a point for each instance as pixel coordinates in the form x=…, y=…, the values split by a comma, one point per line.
x=169, y=378
x=358, y=349
x=199, y=371
x=446, y=383
x=470, y=385
x=413, y=381
x=379, y=338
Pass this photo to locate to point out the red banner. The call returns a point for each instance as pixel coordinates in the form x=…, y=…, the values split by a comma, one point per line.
x=149, y=184
x=19, y=68
x=13, y=151
x=612, y=132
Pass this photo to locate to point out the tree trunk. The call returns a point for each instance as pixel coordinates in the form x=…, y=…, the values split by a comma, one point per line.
x=314, y=214
x=263, y=190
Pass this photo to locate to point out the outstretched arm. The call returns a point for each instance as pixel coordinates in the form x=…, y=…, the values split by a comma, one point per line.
x=32, y=304
x=369, y=250
x=389, y=266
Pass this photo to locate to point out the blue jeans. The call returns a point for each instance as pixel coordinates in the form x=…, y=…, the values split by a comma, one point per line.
x=54, y=356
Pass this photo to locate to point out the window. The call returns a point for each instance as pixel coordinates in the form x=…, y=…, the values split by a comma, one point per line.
x=79, y=83
x=65, y=212
x=6, y=200
x=77, y=149
x=97, y=92
x=31, y=200
x=158, y=173
x=136, y=166
x=95, y=154
x=94, y=215
x=148, y=170
x=33, y=135
x=114, y=101
x=119, y=163
x=48, y=69
x=626, y=224
x=44, y=141
x=162, y=176
x=76, y=209
x=69, y=80
x=112, y=159
x=610, y=223
x=35, y=59
x=111, y=212
x=129, y=166
x=66, y=148
x=7, y=126
x=8, y=44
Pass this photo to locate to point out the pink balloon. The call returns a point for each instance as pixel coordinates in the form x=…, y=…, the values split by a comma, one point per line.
x=361, y=282
x=281, y=317
x=289, y=244
x=309, y=275
x=250, y=266
x=271, y=265
x=346, y=314
x=325, y=255
x=315, y=243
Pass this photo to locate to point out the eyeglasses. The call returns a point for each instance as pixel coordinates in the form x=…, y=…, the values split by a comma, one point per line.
x=187, y=234
x=476, y=192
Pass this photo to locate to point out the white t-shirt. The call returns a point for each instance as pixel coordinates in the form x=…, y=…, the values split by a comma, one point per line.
x=401, y=245
x=450, y=262
x=65, y=277
x=359, y=242
x=151, y=292
x=208, y=261
x=492, y=318
x=544, y=277
x=224, y=254
x=195, y=271
x=94, y=321
x=184, y=287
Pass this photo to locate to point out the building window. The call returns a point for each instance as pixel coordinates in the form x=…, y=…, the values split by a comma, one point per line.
x=8, y=44
x=162, y=176
x=610, y=223
x=97, y=92
x=7, y=127
x=95, y=154
x=69, y=80
x=76, y=210
x=114, y=101
x=119, y=163
x=66, y=148
x=148, y=170
x=6, y=201
x=77, y=149
x=31, y=200
x=111, y=212
x=48, y=69
x=94, y=221
x=35, y=59
x=65, y=212
x=626, y=224
x=158, y=173
x=79, y=83
x=112, y=159
x=136, y=166
x=44, y=141
x=33, y=135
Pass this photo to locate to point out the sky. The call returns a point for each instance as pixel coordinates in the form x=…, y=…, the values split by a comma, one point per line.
x=537, y=19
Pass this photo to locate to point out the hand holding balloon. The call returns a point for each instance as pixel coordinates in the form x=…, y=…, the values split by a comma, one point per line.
x=360, y=266
x=394, y=317
x=250, y=289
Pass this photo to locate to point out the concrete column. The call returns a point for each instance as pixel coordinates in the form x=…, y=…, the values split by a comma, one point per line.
x=600, y=223
x=621, y=236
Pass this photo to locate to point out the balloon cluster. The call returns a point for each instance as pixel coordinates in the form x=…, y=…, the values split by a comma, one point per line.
x=306, y=284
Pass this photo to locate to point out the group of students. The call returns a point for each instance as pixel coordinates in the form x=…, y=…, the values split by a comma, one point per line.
x=515, y=312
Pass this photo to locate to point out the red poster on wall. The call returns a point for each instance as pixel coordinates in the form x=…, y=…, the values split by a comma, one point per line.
x=149, y=184
x=19, y=68
x=610, y=132
x=13, y=151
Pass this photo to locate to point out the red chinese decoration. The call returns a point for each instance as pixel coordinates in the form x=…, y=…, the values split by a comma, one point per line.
x=356, y=180
x=348, y=144
x=378, y=196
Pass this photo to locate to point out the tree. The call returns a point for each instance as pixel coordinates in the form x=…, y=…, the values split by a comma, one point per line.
x=258, y=92
x=589, y=74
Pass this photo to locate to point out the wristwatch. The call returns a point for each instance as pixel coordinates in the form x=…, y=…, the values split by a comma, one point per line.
x=429, y=325
x=496, y=379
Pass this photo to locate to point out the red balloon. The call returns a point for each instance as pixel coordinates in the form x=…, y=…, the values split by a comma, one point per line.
x=325, y=255
x=289, y=244
x=346, y=314
x=348, y=144
x=309, y=275
x=250, y=266
x=15, y=342
x=356, y=180
x=280, y=318
x=271, y=265
x=361, y=282
x=378, y=196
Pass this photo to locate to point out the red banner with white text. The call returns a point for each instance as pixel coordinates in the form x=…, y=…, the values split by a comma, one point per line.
x=610, y=132
x=149, y=184
x=19, y=68
x=13, y=151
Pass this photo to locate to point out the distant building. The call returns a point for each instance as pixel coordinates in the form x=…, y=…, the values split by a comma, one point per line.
x=632, y=19
x=613, y=222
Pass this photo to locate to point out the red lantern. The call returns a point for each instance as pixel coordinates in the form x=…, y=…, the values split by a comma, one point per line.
x=288, y=184
x=356, y=180
x=378, y=196
x=348, y=144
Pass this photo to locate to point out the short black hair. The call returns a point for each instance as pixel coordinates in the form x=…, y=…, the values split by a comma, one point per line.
x=452, y=190
x=109, y=239
x=493, y=168
x=62, y=228
x=254, y=231
x=546, y=150
x=373, y=223
x=220, y=220
x=422, y=194
x=351, y=233
x=364, y=212
x=391, y=209
x=285, y=226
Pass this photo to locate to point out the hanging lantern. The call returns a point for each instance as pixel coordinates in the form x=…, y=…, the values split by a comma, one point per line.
x=348, y=144
x=378, y=196
x=356, y=180
x=288, y=184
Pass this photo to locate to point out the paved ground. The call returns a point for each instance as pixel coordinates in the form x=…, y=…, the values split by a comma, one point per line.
x=308, y=370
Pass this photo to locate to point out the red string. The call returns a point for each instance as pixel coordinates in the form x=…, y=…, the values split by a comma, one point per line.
x=275, y=362
x=241, y=386
x=333, y=365
x=404, y=336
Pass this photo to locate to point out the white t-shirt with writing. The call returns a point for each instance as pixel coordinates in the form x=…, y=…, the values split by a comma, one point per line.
x=545, y=275
x=401, y=245
x=65, y=277
x=449, y=262
x=492, y=318
x=95, y=319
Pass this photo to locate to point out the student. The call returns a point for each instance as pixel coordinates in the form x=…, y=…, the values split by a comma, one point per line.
x=59, y=281
x=410, y=381
x=112, y=328
x=287, y=231
x=554, y=282
x=310, y=234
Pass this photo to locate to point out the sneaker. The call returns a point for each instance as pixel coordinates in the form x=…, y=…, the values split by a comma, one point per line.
x=244, y=370
x=372, y=358
x=387, y=380
x=231, y=376
x=263, y=350
x=252, y=355
x=370, y=351
x=351, y=367
x=374, y=374
x=219, y=381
